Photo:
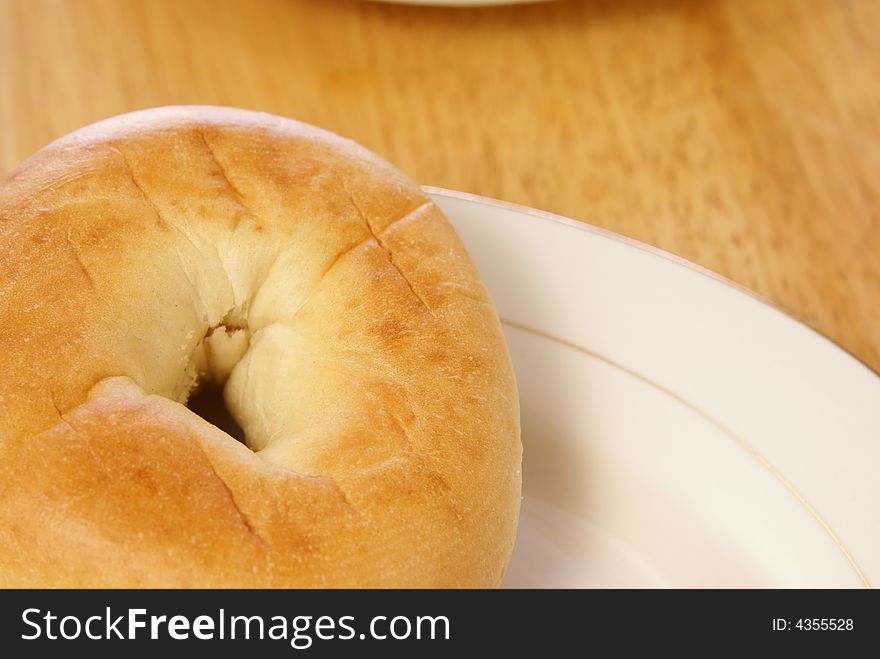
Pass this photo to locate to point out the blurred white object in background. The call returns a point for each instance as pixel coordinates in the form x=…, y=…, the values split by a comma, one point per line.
x=462, y=3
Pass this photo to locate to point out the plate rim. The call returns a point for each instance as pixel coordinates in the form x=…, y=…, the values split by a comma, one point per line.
x=659, y=252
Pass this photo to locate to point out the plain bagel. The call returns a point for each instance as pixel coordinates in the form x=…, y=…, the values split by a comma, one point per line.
x=165, y=250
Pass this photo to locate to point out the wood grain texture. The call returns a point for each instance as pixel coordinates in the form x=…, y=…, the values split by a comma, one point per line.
x=743, y=135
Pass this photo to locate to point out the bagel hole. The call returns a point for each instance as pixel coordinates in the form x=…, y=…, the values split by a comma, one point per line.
x=208, y=403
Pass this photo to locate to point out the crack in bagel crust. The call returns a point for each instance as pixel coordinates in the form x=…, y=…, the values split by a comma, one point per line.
x=222, y=172
x=329, y=298
x=376, y=237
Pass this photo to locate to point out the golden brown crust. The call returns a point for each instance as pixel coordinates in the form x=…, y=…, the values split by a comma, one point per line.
x=375, y=386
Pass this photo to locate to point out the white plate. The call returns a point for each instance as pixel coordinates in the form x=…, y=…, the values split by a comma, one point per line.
x=677, y=430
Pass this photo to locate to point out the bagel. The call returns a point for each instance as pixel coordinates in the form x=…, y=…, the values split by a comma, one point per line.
x=162, y=252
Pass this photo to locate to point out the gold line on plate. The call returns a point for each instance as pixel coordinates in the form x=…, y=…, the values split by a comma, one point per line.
x=742, y=443
x=583, y=225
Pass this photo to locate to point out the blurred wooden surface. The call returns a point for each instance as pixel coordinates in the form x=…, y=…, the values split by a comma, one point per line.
x=743, y=135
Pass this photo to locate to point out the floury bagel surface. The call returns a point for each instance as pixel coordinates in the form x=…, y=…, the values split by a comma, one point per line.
x=166, y=250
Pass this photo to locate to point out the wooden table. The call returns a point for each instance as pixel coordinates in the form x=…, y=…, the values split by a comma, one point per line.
x=743, y=135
